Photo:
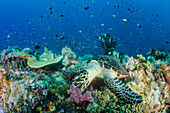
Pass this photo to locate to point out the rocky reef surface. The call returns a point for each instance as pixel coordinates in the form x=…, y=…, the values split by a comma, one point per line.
x=43, y=86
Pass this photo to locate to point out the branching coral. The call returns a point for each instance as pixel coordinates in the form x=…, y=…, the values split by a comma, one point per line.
x=130, y=65
x=107, y=43
x=68, y=55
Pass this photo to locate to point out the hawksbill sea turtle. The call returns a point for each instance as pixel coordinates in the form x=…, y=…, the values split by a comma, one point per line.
x=112, y=70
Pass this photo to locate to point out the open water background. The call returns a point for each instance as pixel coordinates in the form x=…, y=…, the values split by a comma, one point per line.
x=26, y=23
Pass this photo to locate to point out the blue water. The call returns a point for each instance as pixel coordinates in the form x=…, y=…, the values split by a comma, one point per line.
x=26, y=23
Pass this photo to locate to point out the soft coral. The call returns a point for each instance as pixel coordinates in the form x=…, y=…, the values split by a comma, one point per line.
x=76, y=95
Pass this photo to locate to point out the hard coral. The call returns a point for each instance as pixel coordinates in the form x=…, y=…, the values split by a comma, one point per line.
x=130, y=65
x=153, y=91
x=68, y=52
x=14, y=52
x=68, y=55
x=17, y=90
x=46, y=61
x=106, y=101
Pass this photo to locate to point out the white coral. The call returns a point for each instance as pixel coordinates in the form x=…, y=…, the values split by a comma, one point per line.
x=68, y=55
x=130, y=64
x=68, y=52
x=154, y=99
x=17, y=90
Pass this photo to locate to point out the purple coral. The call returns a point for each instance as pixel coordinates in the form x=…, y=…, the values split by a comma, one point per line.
x=76, y=95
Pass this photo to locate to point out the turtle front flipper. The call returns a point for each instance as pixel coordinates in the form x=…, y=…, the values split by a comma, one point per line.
x=85, y=77
x=123, y=92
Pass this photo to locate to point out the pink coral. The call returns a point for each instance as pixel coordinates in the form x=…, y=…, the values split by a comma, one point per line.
x=76, y=95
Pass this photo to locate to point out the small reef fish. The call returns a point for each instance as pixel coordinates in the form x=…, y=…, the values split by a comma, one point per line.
x=61, y=15
x=154, y=52
x=36, y=47
x=61, y=37
x=86, y=8
x=72, y=61
x=50, y=8
x=24, y=62
x=167, y=42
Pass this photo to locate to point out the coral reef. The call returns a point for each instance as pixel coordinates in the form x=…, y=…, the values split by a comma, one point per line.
x=106, y=101
x=31, y=90
x=153, y=84
x=4, y=87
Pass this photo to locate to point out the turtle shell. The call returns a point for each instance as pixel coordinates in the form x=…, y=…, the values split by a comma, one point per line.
x=109, y=62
